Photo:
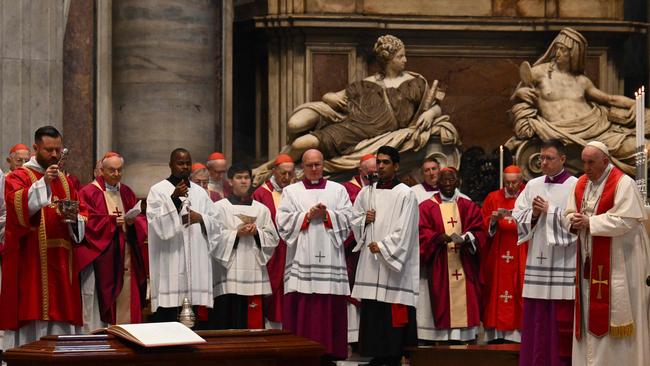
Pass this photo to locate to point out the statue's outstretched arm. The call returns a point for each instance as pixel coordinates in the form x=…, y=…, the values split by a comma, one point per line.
x=337, y=100
x=594, y=94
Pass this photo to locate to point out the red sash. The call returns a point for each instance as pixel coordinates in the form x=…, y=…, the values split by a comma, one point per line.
x=599, y=302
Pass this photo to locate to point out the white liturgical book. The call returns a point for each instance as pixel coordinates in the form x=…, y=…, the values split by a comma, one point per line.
x=156, y=334
x=134, y=211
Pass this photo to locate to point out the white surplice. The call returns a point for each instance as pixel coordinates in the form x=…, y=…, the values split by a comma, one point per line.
x=423, y=313
x=172, y=246
x=630, y=264
x=421, y=194
x=242, y=269
x=392, y=275
x=550, y=269
x=315, y=261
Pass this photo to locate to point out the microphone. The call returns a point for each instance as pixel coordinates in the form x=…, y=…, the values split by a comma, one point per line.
x=372, y=177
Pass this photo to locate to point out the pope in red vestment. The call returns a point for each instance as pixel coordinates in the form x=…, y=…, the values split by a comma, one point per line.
x=269, y=194
x=451, y=239
x=39, y=276
x=503, y=263
x=112, y=247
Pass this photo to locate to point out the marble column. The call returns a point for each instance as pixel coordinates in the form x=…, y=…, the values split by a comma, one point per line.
x=31, y=71
x=163, y=84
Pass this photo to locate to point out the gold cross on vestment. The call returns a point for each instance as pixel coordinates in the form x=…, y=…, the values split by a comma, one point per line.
x=600, y=282
x=452, y=222
x=117, y=212
x=506, y=296
x=507, y=257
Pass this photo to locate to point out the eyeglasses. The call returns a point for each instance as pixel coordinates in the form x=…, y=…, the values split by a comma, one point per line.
x=547, y=158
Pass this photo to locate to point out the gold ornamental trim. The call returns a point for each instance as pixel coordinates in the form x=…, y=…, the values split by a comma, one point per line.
x=456, y=275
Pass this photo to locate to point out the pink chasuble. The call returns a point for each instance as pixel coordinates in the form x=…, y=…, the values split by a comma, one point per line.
x=453, y=270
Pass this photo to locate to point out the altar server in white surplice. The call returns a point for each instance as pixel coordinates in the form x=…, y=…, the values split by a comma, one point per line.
x=182, y=221
x=386, y=230
x=246, y=243
x=549, y=278
x=314, y=220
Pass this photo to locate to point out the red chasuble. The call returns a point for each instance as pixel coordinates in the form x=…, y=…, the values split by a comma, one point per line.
x=452, y=270
x=115, y=254
x=39, y=277
x=265, y=195
x=599, y=266
x=502, y=268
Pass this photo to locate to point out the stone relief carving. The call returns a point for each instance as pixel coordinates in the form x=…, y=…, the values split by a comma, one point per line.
x=555, y=99
x=392, y=107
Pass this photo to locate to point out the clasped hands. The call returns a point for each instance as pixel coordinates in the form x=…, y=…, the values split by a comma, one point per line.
x=579, y=221
x=247, y=230
x=318, y=211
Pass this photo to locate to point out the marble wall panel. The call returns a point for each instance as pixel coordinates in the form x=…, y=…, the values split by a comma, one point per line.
x=329, y=73
x=31, y=69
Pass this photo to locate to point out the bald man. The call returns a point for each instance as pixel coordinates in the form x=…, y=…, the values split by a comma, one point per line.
x=314, y=220
x=607, y=212
x=18, y=155
x=111, y=261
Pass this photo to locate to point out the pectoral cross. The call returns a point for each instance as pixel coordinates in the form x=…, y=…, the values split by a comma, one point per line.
x=541, y=257
x=600, y=282
x=452, y=222
x=507, y=257
x=117, y=212
x=506, y=296
x=320, y=256
x=457, y=274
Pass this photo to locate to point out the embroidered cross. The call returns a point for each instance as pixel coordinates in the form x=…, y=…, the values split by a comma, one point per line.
x=507, y=257
x=506, y=296
x=452, y=222
x=457, y=274
x=454, y=247
x=599, y=281
x=320, y=256
x=541, y=257
x=117, y=212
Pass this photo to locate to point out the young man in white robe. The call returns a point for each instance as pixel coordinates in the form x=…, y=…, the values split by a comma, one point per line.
x=424, y=191
x=314, y=221
x=245, y=245
x=386, y=231
x=549, y=277
x=182, y=226
x=607, y=212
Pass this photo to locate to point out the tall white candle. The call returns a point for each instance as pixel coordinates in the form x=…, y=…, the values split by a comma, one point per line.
x=500, y=166
x=637, y=112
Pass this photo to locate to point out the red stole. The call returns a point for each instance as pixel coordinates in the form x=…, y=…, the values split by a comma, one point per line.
x=600, y=266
